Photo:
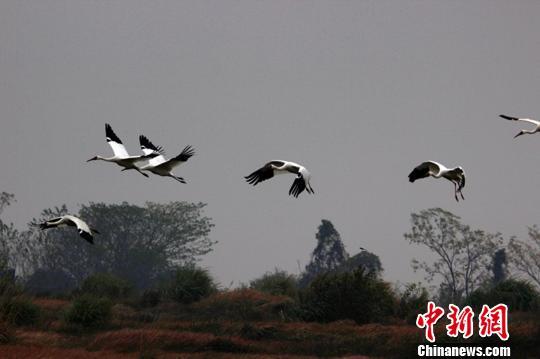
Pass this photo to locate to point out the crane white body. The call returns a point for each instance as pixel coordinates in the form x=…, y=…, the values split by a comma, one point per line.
x=277, y=167
x=159, y=165
x=528, y=120
x=434, y=169
x=121, y=156
x=68, y=220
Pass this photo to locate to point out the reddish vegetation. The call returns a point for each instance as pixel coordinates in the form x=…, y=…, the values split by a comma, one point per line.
x=235, y=324
x=242, y=296
x=35, y=352
x=41, y=338
x=145, y=339
x=51, y=304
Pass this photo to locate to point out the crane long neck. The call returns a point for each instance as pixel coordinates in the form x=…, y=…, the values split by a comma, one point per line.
x=107, y=159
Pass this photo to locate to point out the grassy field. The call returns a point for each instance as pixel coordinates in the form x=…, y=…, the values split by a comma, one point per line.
x=249, y=327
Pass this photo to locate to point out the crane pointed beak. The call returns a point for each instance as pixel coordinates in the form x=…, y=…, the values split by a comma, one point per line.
x=519, y=134
x=92, y=159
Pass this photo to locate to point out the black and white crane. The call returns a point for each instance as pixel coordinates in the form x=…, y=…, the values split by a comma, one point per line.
x=121, y=156
x=522, y=132
x=68, y=220
x=272, y=168
x=159, y=165
x=436, y=170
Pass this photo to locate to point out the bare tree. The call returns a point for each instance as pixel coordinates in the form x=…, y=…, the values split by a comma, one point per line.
x=525, y=255
x=8, y=233
x=463, y=255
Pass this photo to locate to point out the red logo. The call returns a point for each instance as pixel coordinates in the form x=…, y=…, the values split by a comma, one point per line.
x=460, y=321
x=429, y=319
x=490, y=321
x=494, y=321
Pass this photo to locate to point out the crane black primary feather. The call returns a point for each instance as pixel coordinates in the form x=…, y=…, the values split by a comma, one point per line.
x=87, y=236
x=262, y=174
x=146, y=144
x=420, y=171
x=111, y=136
x=297, y=187
x=508, y=117
x=187, y=152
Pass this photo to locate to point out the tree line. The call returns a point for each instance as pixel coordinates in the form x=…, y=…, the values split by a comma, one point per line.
x=146, y=244
x=138, y=243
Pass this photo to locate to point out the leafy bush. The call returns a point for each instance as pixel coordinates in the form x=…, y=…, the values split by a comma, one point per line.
x=106, y=285
x=244, y=304
x=254, y=332
x=277, y=283
x=89, y=311
x=8, y=287
x=50, y=282
x=516, y=294
x=7, y=333
x=189, y=285
x=351, y=295
x=412, y=302
x=150, y=298
x=20, y=311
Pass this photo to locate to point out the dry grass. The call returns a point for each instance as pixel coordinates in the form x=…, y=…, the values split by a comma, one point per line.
x=42, y=338
x=243, y=304
x=211, y=329
x=216, y=355
x=129, y=340
x=244, y=295
x=38, y=352
x=7, y=333
x=48, y=304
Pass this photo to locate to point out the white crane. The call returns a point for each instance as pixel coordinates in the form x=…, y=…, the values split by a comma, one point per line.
x=121, y=156
x=522, y=132
x=436, y=170
x=272, y=168
x=159, y=165
x=84, y=230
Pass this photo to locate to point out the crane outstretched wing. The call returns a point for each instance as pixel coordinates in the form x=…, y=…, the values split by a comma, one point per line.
x=186, y=154
x=114, y=141
x=262, y=174
x=298, y=186
x=423, y=170
x=149, y=149
x=511, y=118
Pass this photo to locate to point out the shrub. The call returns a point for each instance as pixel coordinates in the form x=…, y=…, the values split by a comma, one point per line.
x=20, y=311
x=412, y=302
x=89, y=311
x=189, y=285
x=244, y=304
x=516, y=294
x=253, y=332
x=351, y=295
x=8, y=287
x=50, y=282
x=7, y=334
x=106, y=285
x=150, y=298
x=277, y=283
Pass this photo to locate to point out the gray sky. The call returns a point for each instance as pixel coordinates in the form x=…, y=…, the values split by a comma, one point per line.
x=358, y=91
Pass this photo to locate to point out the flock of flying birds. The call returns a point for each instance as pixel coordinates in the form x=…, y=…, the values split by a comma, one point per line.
x=154, y=161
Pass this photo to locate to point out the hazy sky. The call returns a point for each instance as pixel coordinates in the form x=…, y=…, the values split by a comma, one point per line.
x=358, y=91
